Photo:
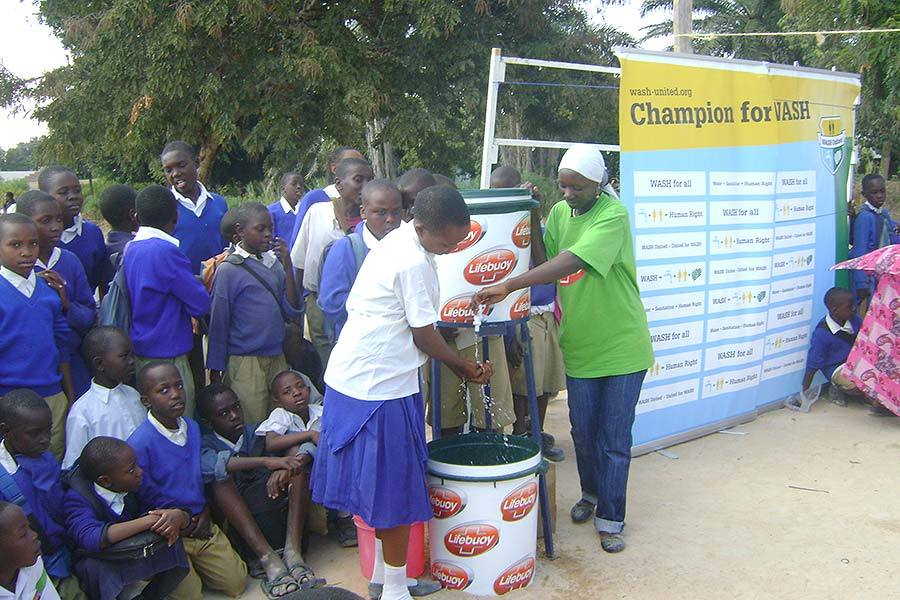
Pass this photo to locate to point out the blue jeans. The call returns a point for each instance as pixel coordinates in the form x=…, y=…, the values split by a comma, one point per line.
x=601, y=411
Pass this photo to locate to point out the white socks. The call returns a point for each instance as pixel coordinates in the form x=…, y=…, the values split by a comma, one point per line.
x=378, y=570
x=395, y=583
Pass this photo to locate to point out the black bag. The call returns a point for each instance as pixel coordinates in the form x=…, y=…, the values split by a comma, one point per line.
x=137, y=547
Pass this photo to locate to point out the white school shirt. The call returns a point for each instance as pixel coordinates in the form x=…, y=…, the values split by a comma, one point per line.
x=72, y=232
x=287, y=208
x=177, y=436
x=116, y=500
x=268, y=258
x=152, y=233
x=25, y=285
x=281, y=421
x=51, y=262
x=115, y=412
x=396, y=290
x=7, y=461
x=834, y=326
x=194, y=207
x=26, y=584
x=319, y=228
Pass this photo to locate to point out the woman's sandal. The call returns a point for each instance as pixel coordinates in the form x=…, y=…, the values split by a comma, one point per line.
x=305, y=577
x=285, y=583
x=346, y=532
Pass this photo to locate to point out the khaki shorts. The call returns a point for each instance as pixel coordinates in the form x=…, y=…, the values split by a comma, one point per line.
x=214, y=564
x=840, y=380
x=59, y=409
x=549, y=371
x=454, y=411
x=250, y=377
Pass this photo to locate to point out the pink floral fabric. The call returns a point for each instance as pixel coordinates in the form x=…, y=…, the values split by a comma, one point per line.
x=874, y=362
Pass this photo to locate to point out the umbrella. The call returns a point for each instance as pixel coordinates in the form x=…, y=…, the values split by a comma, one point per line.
x=882, y=261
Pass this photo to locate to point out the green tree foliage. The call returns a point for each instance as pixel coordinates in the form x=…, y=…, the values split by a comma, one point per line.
x=19, y=157
x=276, y=83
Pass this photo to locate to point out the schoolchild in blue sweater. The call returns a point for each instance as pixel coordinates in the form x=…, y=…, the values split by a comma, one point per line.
x=101, y=509
x=164, y=292
x=34, y=334
x=382, y=209
x=199, y=210
x=118, y=209
x=64, y=268
x=873, y=228
x=284, y=212
x=253, y=295
x=263, y=498
x=30, y=478
x=831, y=342
x=80, y=236
x=167, y=446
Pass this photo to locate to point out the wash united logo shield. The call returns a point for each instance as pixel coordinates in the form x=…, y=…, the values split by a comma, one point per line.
x=831, y=142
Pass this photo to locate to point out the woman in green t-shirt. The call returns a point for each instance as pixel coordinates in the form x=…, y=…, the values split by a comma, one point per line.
x=587, y=250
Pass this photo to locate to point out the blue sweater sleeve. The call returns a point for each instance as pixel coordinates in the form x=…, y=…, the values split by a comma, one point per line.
x=338, y=275
x=82, y=525
x=61, y=332
x=185, y=286
x=818, y=348
x=82, y=308
x=293, y=313
x=220, y=318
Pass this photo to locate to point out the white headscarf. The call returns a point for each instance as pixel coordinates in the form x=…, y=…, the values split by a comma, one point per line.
x=587, y=160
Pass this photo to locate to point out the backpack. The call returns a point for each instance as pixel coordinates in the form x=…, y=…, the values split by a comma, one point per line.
x=359, y=252
x=115, y=307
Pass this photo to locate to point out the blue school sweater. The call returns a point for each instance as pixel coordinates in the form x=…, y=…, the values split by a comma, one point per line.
x=200, y=236
x=311, y=197
x=164, y=296
x=339, y=273
x=215, y=454
x=90, y=248
x=84, y=526
x=245, y=319
x=826, y=350
x=34, y=339
x=81, y=316
x=283, y=222
x=171, y=472
x=39, y=482
x=871, y=231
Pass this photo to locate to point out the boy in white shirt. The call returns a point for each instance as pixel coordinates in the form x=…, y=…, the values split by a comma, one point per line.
x=324, y=223
x=110, y=407
x=372, y=454
x=22, y=573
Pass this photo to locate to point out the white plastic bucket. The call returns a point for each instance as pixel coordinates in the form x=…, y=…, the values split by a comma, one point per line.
x=484, y=495
x=498, y=247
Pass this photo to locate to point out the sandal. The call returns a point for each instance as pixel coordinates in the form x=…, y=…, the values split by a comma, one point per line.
x=305, y=577
x=346, y=532
x=283, y=583
x=582, y=511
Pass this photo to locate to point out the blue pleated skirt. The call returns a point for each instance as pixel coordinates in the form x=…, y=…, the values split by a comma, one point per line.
x=371, y=459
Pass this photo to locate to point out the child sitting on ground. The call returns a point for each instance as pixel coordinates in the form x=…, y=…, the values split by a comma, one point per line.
x=167, y=445
x=62, y=267
x=164, y=292
x=34, y=334
x=263, y=498
x=110, y=407
x=831, y=341
x=254, y=294
x=284, y=212
x=22, y=573
x=101, y=509
x=80, y=236
x=117, y=205
x=30, y=477
x=293, y=427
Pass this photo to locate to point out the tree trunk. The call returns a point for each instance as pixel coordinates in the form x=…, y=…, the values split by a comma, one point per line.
x=209, y=151
x=380, y=152
x=885, y=168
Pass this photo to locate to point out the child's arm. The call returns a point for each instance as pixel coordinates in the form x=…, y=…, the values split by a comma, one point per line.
x=431, y=343
x=277, y=442
x=169, y=522
x=271, y=463
x=807, y=379
x=290, y=288
x=121, y=531
x=184, y=285
x=219, y=322
x=68, y=387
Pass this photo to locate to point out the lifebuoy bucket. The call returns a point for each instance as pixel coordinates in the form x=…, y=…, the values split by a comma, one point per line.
x=484, y=495
x=498, y=247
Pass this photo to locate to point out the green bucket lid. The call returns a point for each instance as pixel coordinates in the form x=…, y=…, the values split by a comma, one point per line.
x=498, y=200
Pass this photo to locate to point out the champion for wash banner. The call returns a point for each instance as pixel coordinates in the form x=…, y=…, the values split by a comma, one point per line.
x=735, y=176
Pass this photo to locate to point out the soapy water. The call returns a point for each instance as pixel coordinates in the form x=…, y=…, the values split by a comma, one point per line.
x=473, y=450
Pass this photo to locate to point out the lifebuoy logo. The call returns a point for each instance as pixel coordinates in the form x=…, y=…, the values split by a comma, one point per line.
x=570, y=279
x=471, y=539
x=521, y=235
x=515, y=577
x=476, y=232
x=451, y=576
x=519, y=502
x=521, y=307
x=490, y=267
x=459, y=310
x=446, y=503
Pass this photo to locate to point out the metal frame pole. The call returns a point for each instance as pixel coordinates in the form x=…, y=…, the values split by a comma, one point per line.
x=496, y=75
x=536, y=436
x=435, y=399
x=488, y=402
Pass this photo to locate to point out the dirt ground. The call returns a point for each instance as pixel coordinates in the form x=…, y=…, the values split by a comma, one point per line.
x=720, y=520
